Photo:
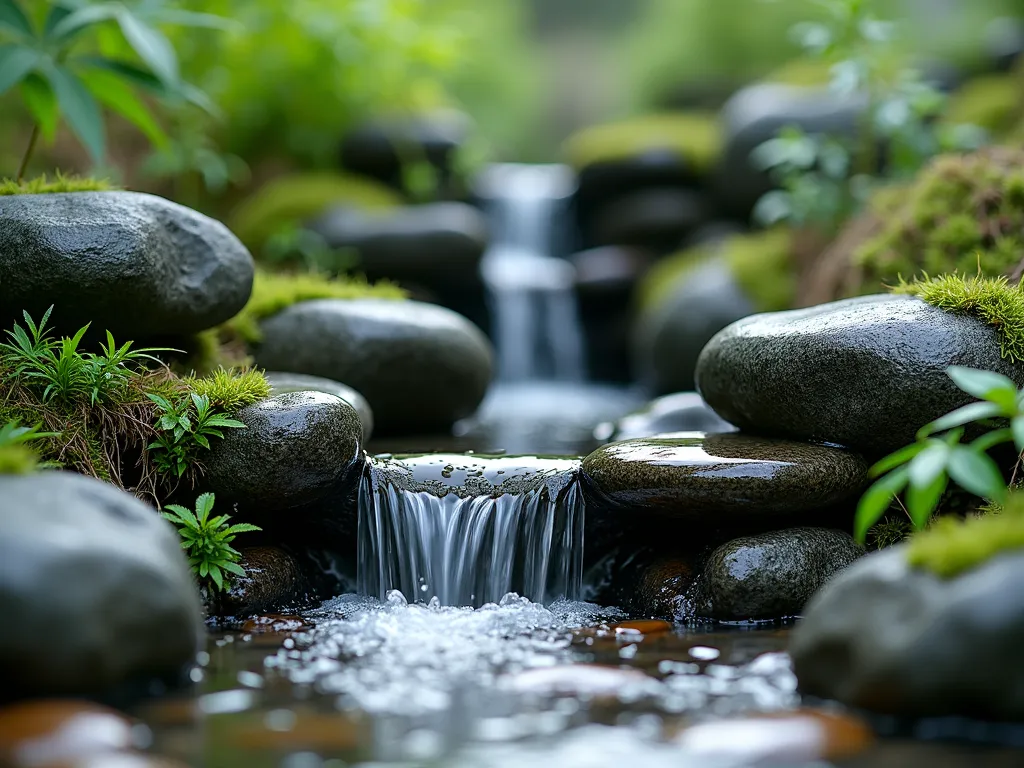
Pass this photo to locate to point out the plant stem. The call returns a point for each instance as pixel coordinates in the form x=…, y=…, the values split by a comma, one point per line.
x=28, y=152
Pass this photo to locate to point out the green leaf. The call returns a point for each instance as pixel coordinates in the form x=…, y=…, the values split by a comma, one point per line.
x=118, y=96
x=922, y=499
x=16, y=61
x=42, y=104
x=232, y=568
x=79, y=19
x=56, y=15
x=1017, y=426
x=876, y=500
x=896, y=459
x=984, y=385
x=928, y=465
x=242, y=528
x=185, y=514
x=126, y=70
x=992, y=439
x=152, y=46
x=80, y=109
x=14, y=19
x=977, y=473
x=218, y=579
x=964, y=415
x=204, y=504
x=201, y=20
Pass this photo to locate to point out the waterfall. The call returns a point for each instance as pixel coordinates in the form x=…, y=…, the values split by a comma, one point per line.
x=512, y=525
x=537, y=328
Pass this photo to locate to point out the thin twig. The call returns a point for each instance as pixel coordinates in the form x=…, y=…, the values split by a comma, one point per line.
x=28, y=152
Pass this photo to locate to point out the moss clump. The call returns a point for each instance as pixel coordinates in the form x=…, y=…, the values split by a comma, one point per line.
x=273, y=292
x=694, y=136
x=964, y=212
x=990, y=299
x=993, y=102
x=231, y=390
x=952, y=546
x=17, y=460
x=43, y=186
x=293, y=200
x=761, y=262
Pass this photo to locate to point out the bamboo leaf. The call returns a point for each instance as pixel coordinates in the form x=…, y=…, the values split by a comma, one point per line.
x=14, y=19
x=41, y=102
x=152, y=47
x=110, y=90
x=16, y=61
x=977, y=473
x=80, y=109
x=876, y=500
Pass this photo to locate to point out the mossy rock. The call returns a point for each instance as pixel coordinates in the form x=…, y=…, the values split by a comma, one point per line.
x=41, y=185
x=694, y=136
x=300, y=197
x=761, y=263
x=964, y=213
x=993, y=102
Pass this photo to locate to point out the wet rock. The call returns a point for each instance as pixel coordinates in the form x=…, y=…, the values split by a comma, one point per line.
x=865, y=373
x=668, y=338
x=95, y=592
x=771, y=575
x=381, y=148
x=275, y=624
x=658, y=218
x=663, y=588
x=132, y=263
x=679, y=412
x=54, y=731
x=720, y=480
x=299, y=447
x=887, y=637
x=754, y=115
x=790, y=738
x=273, y=580
x=280, y=383
x=421, y=367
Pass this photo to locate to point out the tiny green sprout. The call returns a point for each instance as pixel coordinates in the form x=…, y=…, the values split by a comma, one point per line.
x=924, y=468
x=207, y=541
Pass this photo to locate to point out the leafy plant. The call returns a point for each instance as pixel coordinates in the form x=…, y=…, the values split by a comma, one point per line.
x=207, y=541
x=65, y=373
x=59, y=73
x=924, y=468
x=823, y=179
x=183, y=427
x=16, y=457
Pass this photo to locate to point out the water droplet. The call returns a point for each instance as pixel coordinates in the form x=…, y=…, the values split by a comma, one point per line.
x=395, y=598
x=703, y=653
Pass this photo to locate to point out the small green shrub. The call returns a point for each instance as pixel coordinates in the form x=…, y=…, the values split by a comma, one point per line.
x=182, y=428
x=44, y=186
x=993, y=301
x=273, y=292
x=230, y=391
x=953, y=546
x=16, y=456
x=207, y=541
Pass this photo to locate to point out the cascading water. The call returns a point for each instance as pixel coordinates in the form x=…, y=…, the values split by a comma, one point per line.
x=468, y=530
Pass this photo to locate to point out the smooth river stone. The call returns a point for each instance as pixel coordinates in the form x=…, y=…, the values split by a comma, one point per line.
x=715, y=479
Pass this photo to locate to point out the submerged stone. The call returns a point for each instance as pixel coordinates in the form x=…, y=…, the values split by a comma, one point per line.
x=136, y=264
x=420, y=366
x=890, y=638
x=95, y=591
x=470, y=528
x=679, y=412
x=720, y=480
x=281, y=382
x=771, y=575
x=866, y=373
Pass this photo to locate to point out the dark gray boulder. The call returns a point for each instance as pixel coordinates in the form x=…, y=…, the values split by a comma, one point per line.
x=668, y=338
x=887, y=637
x=136, y=264
x=656, y=218
x=771, y=575
x=420, y=366
x=95, y=591
x=720, y=480
x=678, y=412
x=281, y=382
x=866, y=372
x=298, y=448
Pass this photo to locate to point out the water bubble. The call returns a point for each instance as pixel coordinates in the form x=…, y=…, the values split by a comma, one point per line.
x=396, y=599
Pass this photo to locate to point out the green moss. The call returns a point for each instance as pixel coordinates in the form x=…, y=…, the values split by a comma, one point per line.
x=42, y=185
x=694, y=136
x=292, y=200
x=273, y=292
x=953, y=546
x=890, y=531
x=993, y=102
x=992, y=300
x=17, y=460
x=231, y=390
x=761, y=262
x=805, y=72
x=963, y=213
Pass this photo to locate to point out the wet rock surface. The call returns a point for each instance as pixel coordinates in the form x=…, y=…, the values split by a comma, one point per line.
x=662, y=588
x=719, y=480
x=273, y=580
x=56, y=732
x=421, y=367
x=887, y=637
x=679, y=412
x=772, y=575
x=136, y=264
x=669, y=337
x=864, y=372
x=652, y=218
x=298, y=448
x=95, y=592
x=281, y=383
